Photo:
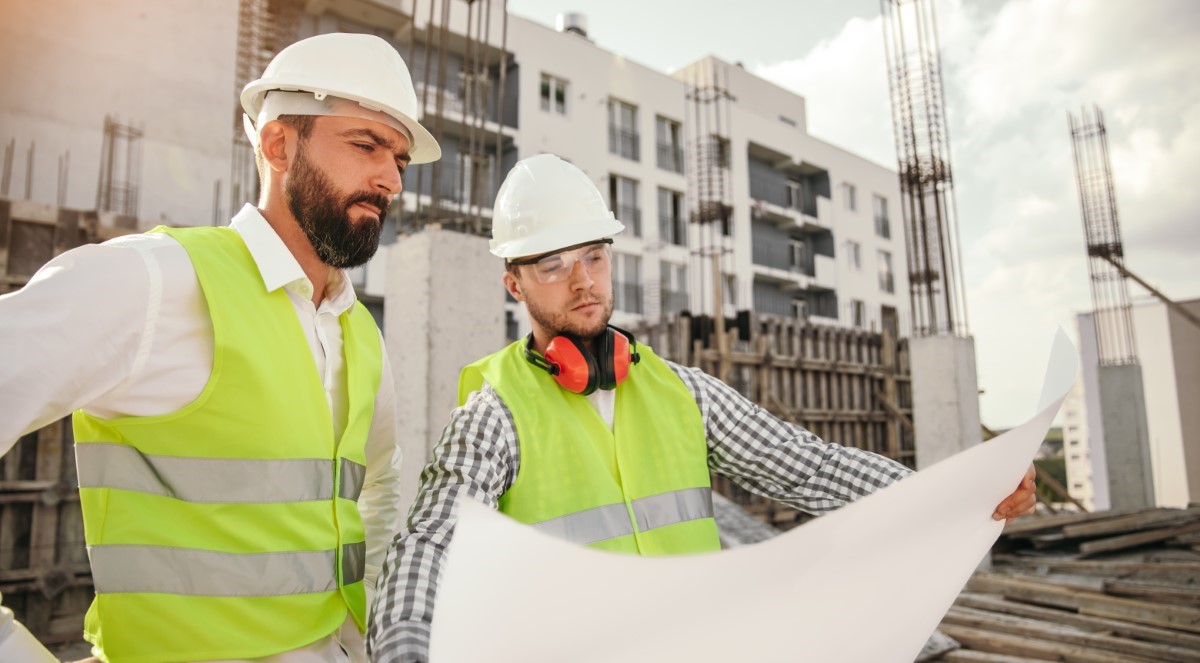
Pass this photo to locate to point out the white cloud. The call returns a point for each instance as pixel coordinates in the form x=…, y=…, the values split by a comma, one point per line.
x=1012, y=72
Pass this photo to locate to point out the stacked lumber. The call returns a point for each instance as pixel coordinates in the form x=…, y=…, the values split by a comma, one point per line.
x=1102, y=587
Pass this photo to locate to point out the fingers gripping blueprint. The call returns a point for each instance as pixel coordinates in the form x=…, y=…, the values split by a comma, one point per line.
x=868, y=582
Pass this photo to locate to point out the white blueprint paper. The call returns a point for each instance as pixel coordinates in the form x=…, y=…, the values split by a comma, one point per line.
x=867, y=583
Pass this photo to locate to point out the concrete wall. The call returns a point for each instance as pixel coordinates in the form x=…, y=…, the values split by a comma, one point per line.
x=945, y=397
x=1126, y=442
x=1156, y=355
x=1168, y=349
x=443, y=309
x=1185, y=339
x=167, y=67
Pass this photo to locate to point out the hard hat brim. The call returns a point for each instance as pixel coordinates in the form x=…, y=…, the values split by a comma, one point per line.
x=423, y=147
x=558, y=238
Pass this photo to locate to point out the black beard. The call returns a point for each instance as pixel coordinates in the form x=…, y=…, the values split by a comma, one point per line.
x=324, y=216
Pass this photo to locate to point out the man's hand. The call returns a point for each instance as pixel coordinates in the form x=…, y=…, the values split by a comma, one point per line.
x=1022, y=500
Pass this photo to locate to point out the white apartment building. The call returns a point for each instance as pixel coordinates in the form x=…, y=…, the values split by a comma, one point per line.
x=1168, y=350
x=1076, y=451
x=814, y=231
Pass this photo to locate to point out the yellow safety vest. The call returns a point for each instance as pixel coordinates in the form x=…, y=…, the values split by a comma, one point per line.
x=230, y=528
x=641, y=487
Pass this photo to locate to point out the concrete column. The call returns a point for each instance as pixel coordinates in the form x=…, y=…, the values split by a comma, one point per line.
x=1126, y=441
x=443, y=309
x=945, y=396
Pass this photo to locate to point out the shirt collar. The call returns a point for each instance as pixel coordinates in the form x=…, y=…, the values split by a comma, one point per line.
x=279, y=268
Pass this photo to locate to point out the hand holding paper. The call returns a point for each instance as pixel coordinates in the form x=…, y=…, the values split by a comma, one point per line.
x=869, y=582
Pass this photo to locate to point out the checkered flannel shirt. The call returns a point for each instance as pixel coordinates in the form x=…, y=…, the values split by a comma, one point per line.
x=478, y=456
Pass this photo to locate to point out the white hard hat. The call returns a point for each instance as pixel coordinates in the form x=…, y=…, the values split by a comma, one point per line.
x=361, y=68
x=546, y=204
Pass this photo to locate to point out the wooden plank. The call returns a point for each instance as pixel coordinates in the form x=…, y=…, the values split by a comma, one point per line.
x=1092, y=640
x=971, y=656
x=1116, y=568
x=1154, y=592
x=1004, y=643
x=1132, y=540
x=1177, y=617
x=1143, y=612
x=1036, y=524
x=1130, y=523
x=1117, y=627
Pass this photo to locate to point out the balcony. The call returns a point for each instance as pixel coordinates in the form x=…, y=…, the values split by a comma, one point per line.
x=627, y=297
x=670, y=157
x=624, y=142
x=790, y=207
x=630, y=216
x=674, y=301
x=456, y=110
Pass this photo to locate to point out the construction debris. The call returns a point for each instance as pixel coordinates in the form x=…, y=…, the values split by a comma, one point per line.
x=1109, y=586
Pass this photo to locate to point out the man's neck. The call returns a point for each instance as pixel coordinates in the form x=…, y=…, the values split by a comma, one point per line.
x=541, y=339
x=285, y=225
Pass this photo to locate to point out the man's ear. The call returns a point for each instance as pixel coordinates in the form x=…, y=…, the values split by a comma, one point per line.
x=276, y=140
x=512, y=286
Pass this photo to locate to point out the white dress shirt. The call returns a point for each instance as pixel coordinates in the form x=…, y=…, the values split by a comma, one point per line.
x=122, y=329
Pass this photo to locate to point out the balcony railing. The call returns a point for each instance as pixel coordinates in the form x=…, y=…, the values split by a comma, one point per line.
x=631, y=216
x=801, y=199
x=672, y=230
x=624, y=142
x=450, y=189
x=674, y=301
x=887, y=283
x=670, y=157
x=628, y=297
x=883, y=227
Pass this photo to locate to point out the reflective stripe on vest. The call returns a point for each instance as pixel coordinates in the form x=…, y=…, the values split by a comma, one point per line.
x=121, y=569
x=215, y=480
x=612, y=520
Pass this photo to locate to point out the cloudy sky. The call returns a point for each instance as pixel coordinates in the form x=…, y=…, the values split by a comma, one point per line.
x=1012, y=70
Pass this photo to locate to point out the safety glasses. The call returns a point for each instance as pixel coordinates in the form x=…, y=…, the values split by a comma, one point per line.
x=595, y=257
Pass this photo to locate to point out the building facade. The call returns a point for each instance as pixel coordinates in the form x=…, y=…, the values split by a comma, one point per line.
x=1168, y=350
x=132, y=108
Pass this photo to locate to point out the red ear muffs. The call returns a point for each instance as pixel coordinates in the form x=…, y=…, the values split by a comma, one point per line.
x=575, y=369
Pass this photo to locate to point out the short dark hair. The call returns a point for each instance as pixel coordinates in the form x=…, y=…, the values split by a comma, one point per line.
x=303, y=124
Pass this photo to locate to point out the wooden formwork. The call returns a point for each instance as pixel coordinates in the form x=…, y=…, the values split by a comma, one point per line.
x=847, y=386
x=44, y=573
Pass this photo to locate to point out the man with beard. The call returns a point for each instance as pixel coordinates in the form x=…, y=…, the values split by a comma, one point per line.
x=233, y=407
x=582, y=433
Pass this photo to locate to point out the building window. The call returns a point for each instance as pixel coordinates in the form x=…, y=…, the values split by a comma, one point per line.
x=800, y=309
x=729, y=293
x=671, y=226
x=798, y=255
x=511, y=329
x=627, y=283
x=670, y=146
x=887, y=282
x=622, y=130
x=883, y=227
x=854, y=255
x=623, y=197
x=858, y=313
x=673, y=287
x=850, y=195
x=554, y=94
